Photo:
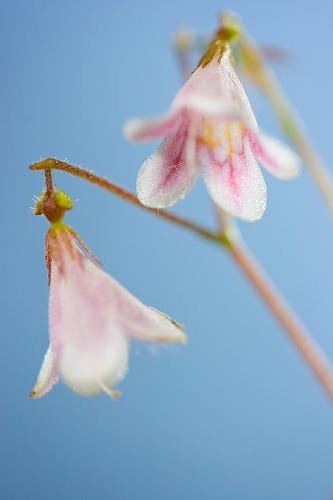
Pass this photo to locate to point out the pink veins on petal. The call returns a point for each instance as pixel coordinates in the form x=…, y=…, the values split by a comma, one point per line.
x=211, y=124
x=91, y=321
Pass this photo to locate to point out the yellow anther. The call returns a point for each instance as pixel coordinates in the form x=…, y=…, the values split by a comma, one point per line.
x=208, y=134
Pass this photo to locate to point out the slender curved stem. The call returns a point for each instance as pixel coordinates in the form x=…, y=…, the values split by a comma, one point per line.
x=54, y=163
x=254, y=65
x=293, y=130
x=295, y=331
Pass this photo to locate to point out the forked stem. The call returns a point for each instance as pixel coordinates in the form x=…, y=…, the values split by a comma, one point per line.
x=295, y=331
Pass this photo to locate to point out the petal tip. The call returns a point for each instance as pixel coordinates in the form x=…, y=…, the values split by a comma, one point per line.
x=176, y=330
x=147, y=129
x=130, y=129
x=183, y=339
x=36, y=392
x=179, y=338
x=296, y=169
x=33, y=394
x=148, y=195
x=47, y=376
x=278, y=158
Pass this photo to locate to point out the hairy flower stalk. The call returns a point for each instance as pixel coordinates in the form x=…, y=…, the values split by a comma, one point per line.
x=91, y=316
x=211, y=124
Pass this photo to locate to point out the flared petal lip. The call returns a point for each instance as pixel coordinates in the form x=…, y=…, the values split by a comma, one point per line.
x=178, y=329
x=237, y=184
x=212, y=107
x=170, y=172
x=47, y=376
x=147, y=129
x=276, y=157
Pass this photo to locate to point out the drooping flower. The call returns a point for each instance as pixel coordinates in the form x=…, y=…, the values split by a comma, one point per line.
x=211, y=124
x=91, y=320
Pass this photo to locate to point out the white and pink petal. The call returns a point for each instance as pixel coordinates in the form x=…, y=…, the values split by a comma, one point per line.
x=235, y=182
x=147, y=323
x=91, y=370
x=47, y=376
x=91, y=320
x=138, y=129
x=275, y=156
x=169, y=173
x=83, y=321
x=215, y=91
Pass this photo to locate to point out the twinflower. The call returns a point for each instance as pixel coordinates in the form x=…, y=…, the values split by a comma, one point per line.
x=91, y=316
x=211, y=124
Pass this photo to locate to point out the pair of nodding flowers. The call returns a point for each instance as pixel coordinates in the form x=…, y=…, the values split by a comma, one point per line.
x=91, y=316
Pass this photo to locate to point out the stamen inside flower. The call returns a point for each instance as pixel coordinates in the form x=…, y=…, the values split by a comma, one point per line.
x=113, y=393
x=229, y=136
x=208, y=134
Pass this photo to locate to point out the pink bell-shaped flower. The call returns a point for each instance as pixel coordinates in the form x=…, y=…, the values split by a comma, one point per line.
x=211, y=124
x=91, y=320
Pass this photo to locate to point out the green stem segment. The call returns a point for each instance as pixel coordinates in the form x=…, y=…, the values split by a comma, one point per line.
x=295, y=331
x=255, y=68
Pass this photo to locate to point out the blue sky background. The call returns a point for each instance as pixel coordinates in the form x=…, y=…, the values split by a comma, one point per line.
x=236, y=413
